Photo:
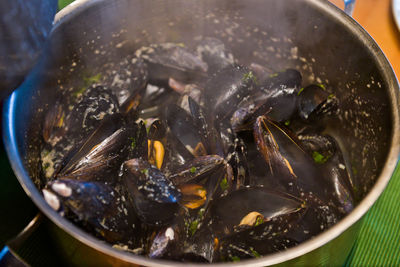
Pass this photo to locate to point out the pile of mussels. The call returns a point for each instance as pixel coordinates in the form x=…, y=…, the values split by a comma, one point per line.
x=187, y=155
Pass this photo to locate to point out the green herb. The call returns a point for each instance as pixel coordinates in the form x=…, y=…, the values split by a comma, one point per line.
x=319, y=158
x=145, y=171
x=322, y=86
x=46, y=165
x=133, y=142
x=259, y=221
x=88, y=81
x=235, y=258
x=273, y=75
x=224, y=184
x=331, y=96
x=354, y=170
x=287, y=123
x=249, y=76
x=80, y=91
x=92, y=79
x=255, y=253
x=193, y=227
x=193, y=170
x=301, y=90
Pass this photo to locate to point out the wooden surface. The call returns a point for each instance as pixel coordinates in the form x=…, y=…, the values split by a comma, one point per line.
x=377, y=19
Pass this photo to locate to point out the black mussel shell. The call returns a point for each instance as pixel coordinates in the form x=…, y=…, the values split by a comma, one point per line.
x=268, y=237
x=196, y=169
x=128, y=79
x=226, y=89
x=155, y=198
x=97, y=103
x=184, y=129
x=100, y=156
x=237, y=159
x=166, y=244
x=171, y=60
x=215, y=54
x=315, y=103
x=72, y=123
x=96, y=206
x=228, y=211
x=287, y=159
x=327, y=154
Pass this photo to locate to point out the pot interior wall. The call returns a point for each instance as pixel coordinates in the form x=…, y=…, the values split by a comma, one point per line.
x=302, y=34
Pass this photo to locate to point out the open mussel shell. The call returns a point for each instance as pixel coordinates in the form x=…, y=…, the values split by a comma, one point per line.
x=170, y=60
x=155, y=198
x=62, y=132
x=229, y=211
x=287, y=159
x=97, y=207
x=315, y=103
x=196, y=169
x=268, y=237
x=226, y=89
x=184, y=129
x=100, y=156
x=211, y=140
x=276, y=96
x=327, y=154
x=199, y=180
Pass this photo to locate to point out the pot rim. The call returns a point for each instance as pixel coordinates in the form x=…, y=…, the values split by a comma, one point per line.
x=291, y=253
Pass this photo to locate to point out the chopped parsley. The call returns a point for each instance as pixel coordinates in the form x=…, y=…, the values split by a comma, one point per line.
x=88, y=81
x=235, y=258
x=319, y=158
x=287, y=123
x=93, y=79
x=145, y=171
x=273, y=75
x=224, y=184
x=193, y=170
x=133, y=142
x=80, y=91
x=300, y=91
x=322, y=86
x=331, y=96
x=255, y=253
x=193, y=227
x=249, y=76
x=354, y=170
x=259, y=221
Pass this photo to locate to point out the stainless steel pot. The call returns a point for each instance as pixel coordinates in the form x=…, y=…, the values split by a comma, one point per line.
x=311, y=35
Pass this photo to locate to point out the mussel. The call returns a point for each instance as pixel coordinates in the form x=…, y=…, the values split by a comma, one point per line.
x=97, y=207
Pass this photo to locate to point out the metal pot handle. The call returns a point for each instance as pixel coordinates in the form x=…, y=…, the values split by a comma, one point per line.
x=349, y=6
x=8, y=255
